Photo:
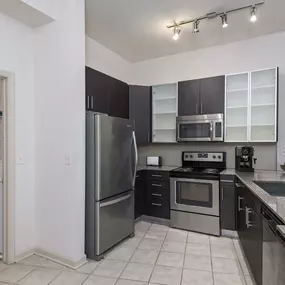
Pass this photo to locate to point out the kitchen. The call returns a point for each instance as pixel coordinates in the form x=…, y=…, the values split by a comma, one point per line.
x=245, y=102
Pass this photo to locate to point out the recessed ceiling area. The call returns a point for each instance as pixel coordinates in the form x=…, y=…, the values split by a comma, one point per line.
x=136, y=29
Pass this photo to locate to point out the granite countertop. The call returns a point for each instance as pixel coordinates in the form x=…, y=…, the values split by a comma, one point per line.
x=277, y=204
x=159, y=168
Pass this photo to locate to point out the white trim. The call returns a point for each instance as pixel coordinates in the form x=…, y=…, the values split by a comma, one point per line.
x=249, y=108
x=9, y=168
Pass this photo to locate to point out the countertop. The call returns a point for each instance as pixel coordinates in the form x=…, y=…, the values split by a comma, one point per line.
x=277, y=204
x=159, y=168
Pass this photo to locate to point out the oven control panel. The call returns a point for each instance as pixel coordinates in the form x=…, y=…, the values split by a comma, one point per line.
x=204, y=156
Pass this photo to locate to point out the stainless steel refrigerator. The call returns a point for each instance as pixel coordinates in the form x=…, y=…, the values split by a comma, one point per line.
x=111, y=161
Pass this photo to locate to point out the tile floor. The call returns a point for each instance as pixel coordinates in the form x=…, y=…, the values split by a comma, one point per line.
x=156, y=255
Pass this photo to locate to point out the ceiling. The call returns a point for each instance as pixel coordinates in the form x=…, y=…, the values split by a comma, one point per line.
x=136, y=29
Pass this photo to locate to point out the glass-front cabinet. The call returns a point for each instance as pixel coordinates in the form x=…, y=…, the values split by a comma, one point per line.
x=251, y=106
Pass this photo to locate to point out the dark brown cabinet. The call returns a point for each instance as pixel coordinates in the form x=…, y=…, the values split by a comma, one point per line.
x=140, y=112
x=201, y=96
x=188, y=97
x=249, y=225
x=228, y=203
x=158, y=194
x=140, y=194
x=105, y=94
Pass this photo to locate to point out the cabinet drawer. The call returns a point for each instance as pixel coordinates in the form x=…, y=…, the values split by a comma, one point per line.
x=158, y=175
x=158, y=208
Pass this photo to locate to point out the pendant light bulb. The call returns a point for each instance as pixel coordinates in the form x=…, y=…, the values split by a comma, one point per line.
x=253, y=17
x=176, y=33
x=196, y=27
x=224, y=18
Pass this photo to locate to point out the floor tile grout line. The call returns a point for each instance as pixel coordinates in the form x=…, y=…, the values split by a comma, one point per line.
x=25, y=275
x=158, y=256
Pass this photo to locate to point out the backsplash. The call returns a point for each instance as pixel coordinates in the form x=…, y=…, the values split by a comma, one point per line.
x=266, y=154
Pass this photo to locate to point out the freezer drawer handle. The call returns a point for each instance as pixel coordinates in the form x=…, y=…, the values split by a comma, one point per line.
x=116, y=201
x=156, y=185
x=155, y=175
x=155, y=194
x=154, y=204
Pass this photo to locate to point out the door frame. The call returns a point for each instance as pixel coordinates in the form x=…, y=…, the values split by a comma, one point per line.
x=9, y=167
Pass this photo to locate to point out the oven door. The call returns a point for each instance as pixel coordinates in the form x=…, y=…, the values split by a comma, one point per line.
x=195, y=196
x=194, y=130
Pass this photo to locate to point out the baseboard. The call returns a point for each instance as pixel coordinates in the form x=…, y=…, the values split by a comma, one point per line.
x=61, y=260
x=24, y=255
x=52, y=257
x=230, y=234
x=155, y=220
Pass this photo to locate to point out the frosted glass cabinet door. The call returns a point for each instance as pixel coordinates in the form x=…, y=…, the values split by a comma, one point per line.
x=263, y=105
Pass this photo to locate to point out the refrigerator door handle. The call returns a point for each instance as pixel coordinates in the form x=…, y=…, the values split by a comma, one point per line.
x=136, y=158
x=116, y=201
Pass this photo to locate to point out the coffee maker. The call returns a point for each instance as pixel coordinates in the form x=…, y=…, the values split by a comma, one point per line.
x=245, y=158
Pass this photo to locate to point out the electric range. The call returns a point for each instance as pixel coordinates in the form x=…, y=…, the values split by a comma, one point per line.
x=195, y=192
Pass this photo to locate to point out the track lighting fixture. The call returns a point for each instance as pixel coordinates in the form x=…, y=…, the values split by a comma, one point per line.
x=253, y=17
x=213, y=15
x=196, y=27
x=224, y=18
x=176, y=33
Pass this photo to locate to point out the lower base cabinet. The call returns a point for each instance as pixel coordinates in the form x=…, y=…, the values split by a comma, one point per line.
x=152, y=194
x=249, y=226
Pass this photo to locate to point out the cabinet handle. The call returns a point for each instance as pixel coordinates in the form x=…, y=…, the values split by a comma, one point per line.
x=148, y=137
x=239, y=185
x=196, y=108
x=154, y=204
x=222, y=194
x=92, y=101
x=155, y=175
x=248, y=211
x=201, y=108
x=155, y=194
x=239, y=203
x=88, y=105
x=156, y=185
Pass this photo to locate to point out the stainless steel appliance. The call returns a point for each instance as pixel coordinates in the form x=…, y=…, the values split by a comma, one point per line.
x=154, y=160
x=200, y=128
x=245, y=158
x=111, y=161
x=195, y=192
x=273, y=272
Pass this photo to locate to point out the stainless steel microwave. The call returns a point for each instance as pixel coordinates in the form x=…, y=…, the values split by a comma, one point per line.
x=200, y=128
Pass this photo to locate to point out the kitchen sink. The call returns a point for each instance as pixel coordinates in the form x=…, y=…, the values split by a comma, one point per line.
x=276, y=189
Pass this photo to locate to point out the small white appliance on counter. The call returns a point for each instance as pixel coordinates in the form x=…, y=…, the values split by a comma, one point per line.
x=154, y=161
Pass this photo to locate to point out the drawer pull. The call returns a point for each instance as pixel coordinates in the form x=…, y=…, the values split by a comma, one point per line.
x=154, y=204
x=156, y=185
x=155, y=194
x=156, y=175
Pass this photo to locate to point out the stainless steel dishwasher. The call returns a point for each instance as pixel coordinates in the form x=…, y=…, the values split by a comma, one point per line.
x=273, y=250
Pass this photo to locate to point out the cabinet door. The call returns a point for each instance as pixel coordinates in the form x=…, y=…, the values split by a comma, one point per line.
x=119, y=98
x=188, y=97
x=97, y=91
x=240, y=215
x=228, y=208
x=140, y=112
x=212, y=95
x=140, y=194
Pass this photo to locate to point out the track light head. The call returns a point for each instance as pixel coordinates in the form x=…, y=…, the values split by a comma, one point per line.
x=176, y=33
x=253, y=17
x=224, y=18
x=196, y=27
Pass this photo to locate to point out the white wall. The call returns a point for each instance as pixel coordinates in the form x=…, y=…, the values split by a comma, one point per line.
x=258, y=53
x=60, y=131
x=100, y=58
x=50, y=8
x=17, y=56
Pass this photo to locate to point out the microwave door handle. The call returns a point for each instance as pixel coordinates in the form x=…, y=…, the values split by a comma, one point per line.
x=212, y=130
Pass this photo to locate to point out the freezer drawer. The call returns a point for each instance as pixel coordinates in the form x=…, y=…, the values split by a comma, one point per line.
x=114, y=221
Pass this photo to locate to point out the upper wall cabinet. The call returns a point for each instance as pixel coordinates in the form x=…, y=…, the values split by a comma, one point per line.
x=201, y=96
x=105, y=94
x=140, y=112
x=164, y=112
x=251, y=106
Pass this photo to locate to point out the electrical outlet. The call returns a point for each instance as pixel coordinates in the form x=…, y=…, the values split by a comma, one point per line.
x=67, y=160
x=283, y=151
